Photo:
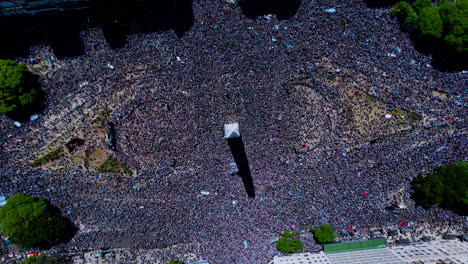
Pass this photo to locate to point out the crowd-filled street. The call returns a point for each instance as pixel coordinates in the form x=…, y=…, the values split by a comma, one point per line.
x=330, y=106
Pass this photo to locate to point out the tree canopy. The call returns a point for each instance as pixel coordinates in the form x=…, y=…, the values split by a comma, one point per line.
x=31, y=221
x=446, y=22
x=325, y=234
x=289, y=243
x=15, y=91
x=429, y=22
x=404, y=13
x=43, y=259
x=447, y=186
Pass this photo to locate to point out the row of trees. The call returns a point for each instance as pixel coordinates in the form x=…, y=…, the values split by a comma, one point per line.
x=447, y=186
x=445, y=23
x=291, y=242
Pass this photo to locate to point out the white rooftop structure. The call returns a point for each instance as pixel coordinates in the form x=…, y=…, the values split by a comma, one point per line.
x=231, y=130
x=370, y=256
x=438, y=251
x=434, y=252
x=301, y=258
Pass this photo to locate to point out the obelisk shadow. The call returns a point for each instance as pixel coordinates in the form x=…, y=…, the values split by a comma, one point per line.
x=240, y=157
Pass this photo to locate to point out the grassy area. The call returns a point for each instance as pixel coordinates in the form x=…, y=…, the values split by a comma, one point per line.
x=95, y=157
x=56, y=154
x=112, y=164
x=402, y=115
x=77, y=159
x=104, y=117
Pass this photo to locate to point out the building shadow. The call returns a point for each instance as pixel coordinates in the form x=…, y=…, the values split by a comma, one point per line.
x=380, y=3
x=119, y=19
x=65, y=39
x=60, y=30
x=240, y=157
x=282, y=9
x=14, y=43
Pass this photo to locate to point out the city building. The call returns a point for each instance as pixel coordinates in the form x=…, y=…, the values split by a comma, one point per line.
x=38, y=7
x=438, y=251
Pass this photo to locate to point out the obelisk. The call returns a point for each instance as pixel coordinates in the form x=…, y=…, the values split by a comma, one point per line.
x=234, y=139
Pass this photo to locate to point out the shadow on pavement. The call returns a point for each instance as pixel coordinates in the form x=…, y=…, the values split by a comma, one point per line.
x=282, y=9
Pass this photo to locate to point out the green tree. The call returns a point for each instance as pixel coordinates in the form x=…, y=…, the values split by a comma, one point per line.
x=15, y=92
x=455, y=21
x=325, y=234
x=447, y=186
x=462, y=4
x=289, y=243
x=31, y=221
x=404, y=13
x=420, y=4
x=429, y=23
x=43, y=259
x=446, y=24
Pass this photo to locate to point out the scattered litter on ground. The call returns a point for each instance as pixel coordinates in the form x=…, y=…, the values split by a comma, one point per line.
x=232, y=2
x=289, y=46
x=180, y=60
x=83, y=84
x=440, y=148
x=34, y=117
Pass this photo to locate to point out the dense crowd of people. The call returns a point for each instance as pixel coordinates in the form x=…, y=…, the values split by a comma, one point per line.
x=286, y=82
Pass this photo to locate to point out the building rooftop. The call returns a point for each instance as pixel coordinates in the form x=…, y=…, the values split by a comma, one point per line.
x=439, y=251
x=36, y=7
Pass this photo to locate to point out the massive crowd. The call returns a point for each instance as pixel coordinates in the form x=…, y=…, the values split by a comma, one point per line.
x=285, y=82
